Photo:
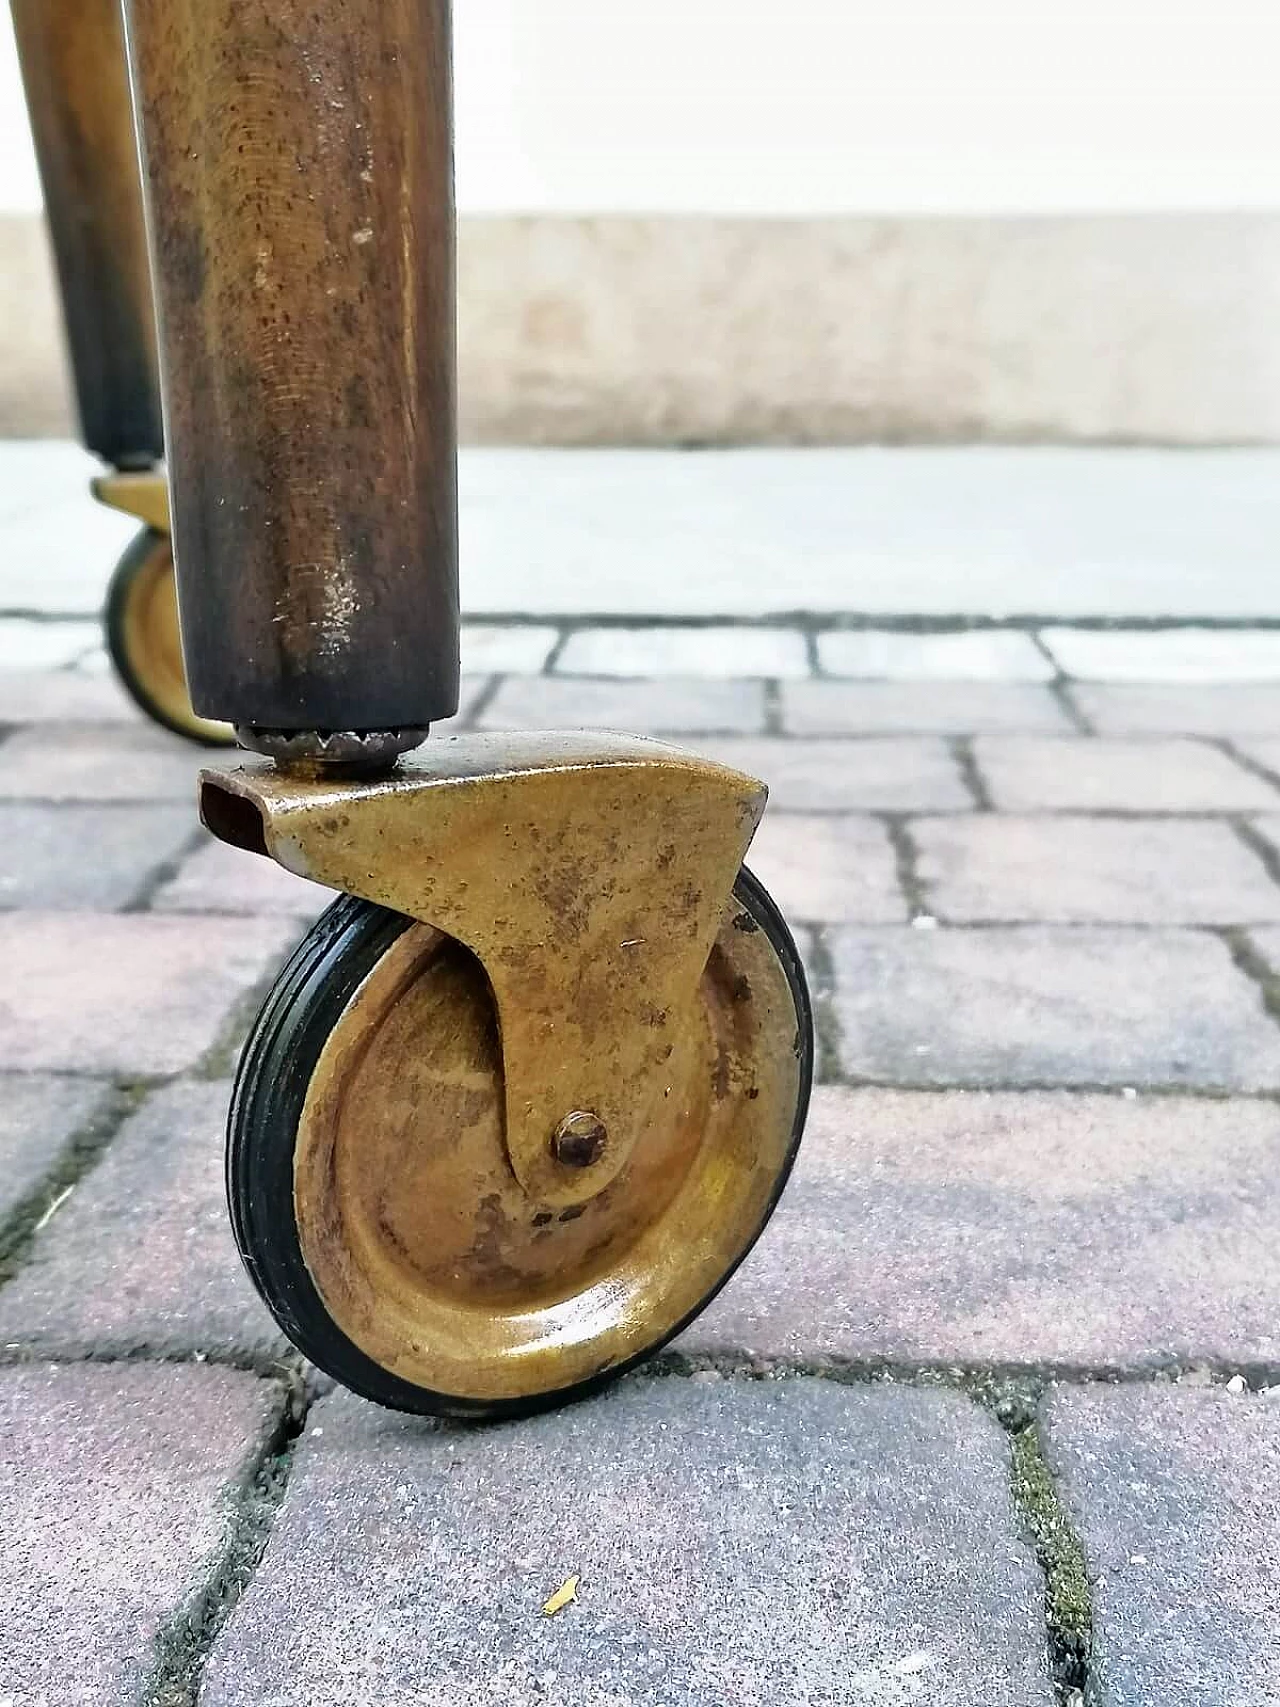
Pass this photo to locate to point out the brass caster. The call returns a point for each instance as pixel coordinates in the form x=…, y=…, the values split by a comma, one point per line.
x=497, y=1142
x=141, y=616
x=144, y=641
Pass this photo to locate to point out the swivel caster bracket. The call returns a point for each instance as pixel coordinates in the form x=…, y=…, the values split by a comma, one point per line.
x=587, y=873
x=143, y=495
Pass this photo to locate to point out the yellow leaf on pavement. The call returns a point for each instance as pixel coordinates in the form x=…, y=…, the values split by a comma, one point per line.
x=564, y=1596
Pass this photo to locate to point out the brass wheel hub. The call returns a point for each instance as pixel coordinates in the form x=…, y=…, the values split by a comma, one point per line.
x=425, y=1248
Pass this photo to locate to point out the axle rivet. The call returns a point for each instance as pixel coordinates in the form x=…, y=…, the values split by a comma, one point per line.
x=579, y=1139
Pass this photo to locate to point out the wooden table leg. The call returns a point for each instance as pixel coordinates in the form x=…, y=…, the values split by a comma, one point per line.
x=298, y=164
x=73, y=66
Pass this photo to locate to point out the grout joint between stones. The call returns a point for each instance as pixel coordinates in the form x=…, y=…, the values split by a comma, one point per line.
x=79, y=1156
x=826, y=1022
x=1059, y=1551
x=1257, y=970
x=183, y=1645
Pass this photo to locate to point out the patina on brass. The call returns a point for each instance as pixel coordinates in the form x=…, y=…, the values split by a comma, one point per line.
x=144, y=495
x=587, y=873
x=426, y=1250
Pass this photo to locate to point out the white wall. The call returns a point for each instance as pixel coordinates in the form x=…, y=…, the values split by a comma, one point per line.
x=845, y=106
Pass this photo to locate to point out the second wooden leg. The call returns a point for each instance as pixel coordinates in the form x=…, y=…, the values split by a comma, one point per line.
x=76, y=79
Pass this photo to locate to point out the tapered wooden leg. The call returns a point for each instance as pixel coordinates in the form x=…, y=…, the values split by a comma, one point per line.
x=73, y=65
x=298, y=163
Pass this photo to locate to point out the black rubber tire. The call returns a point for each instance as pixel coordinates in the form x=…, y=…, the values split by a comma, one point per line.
x=281, y=1054
x=114, y=620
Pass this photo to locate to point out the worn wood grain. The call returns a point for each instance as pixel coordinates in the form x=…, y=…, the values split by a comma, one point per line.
x=299, y=175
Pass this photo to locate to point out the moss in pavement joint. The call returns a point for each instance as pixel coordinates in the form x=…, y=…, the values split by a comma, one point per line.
x=1068, y=1596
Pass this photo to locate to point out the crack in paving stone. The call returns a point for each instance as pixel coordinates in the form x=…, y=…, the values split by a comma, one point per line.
x=183, y=1644
x=78, y=1157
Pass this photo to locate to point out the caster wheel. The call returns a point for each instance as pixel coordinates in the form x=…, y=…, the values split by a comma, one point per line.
x=144, y=641
x=375, y=1207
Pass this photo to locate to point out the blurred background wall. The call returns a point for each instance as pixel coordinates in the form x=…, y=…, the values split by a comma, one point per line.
x=831, y=220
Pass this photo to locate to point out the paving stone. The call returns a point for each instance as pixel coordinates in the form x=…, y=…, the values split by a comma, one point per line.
x=1222, y=711
x=1053, y=1228
x=889, y=775
x=716, y=653
x=1176, y=1494
x=140, y=1257
x=84, y=762
x=838, y=870
x=114, y=1484
x=63, y=696
x=1039, y=1004
x=102, y=993
x=737, y=1544
x=974, y=655
x=1028, y=775
x=216, y=878
x=44, y=645
x=85, y=856
x=492, y=648
x=920, y=708
x=1200, y=655
x=667, y=707
x=1126, y=871
x=38, y=1118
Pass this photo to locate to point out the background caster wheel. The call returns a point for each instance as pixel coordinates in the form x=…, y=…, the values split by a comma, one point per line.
x=144, y=641
x=375, y=1207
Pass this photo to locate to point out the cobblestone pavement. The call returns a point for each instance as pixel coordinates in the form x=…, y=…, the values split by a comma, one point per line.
x=991, y=1416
